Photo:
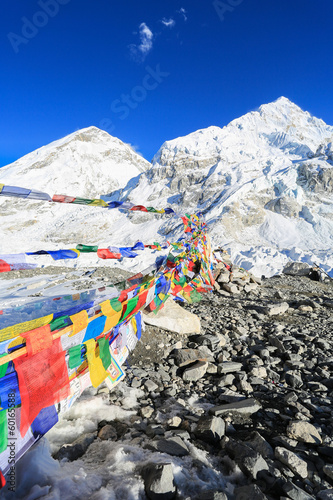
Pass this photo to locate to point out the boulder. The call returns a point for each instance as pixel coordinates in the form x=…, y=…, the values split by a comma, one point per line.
x=78, y=448
x=275, y=309
x=297, y=269
x=195, y=372
x=159, y=481
x=184, y=357
x=174, y=318
x=304, y=432
x=243, y=407
x=173, y=446
x=292, y=461
x=248, y=460
x=210, y=429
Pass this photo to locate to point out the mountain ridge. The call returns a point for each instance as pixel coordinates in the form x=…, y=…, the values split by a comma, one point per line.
x=263, y=182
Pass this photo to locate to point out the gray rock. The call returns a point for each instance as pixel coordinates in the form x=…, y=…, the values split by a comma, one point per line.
x=146, y=411
x=159, y=481
x=245, y=386
x=230, y=288
x=259, y=444
x=78, y=448
x=276, y=342
x=250, y=287
x=297, y=269
x=172, y=446
x=317, y=387
x=195, y=372
x=107, y=432
x=325, y=495
x=174, y=318
x=249, y=492
x=226, y=380
x=294, y=379
x=240, y=330
x=174, y=422
x=210, y=429
x=275, y=309
x=243, y=407
x=328, y=470
x=184, y=357
x=248, y=460
x=291, y=460
x=229, y=367
x=136, y=383
x=304, y=432
x=211, y=495
x=150, y=385
x=296, y=493
x=223, y=278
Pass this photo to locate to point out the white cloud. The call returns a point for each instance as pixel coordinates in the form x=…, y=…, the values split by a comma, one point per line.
x=146, y=43
x=168, y=22
x=183, y=12
x=135, y=148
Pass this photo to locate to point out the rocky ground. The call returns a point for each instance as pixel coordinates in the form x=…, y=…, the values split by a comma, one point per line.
x=253, y=391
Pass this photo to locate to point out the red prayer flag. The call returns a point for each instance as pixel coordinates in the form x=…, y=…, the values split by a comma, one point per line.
x=2, y=480
x=104, y=253
x=43, y=381
x=140, y=208
x=4, y=266
x=38, y=339
x=141, y=302
x=61, y=198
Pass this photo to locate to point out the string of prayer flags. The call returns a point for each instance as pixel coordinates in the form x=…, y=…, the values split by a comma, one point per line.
x=11, y=262
x=18, y=192
x=58, y=254
x=47, y=362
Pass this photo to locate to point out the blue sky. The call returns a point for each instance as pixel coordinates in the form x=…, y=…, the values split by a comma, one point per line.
x=150, y=71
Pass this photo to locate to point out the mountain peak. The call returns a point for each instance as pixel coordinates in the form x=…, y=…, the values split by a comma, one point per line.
x=282, y=105
x=88, y=162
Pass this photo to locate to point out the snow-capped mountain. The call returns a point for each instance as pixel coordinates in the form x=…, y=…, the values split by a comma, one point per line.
x=264, y=182
x=86, y=163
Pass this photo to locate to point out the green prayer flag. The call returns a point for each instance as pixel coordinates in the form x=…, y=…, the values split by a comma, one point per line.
x=58, y=323
x=82, y=201
x=195, y=296
x=3, y=430
x=116, y=305
x=3, y=368
x=131, y=305
x=104, y=352
x=86, y=248
x=74, y=356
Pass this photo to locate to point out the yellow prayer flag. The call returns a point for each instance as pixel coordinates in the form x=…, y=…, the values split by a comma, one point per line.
x=112, y=316
x=80, y=322
x=13, y=331
x=98, y=203
x=97, y=371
